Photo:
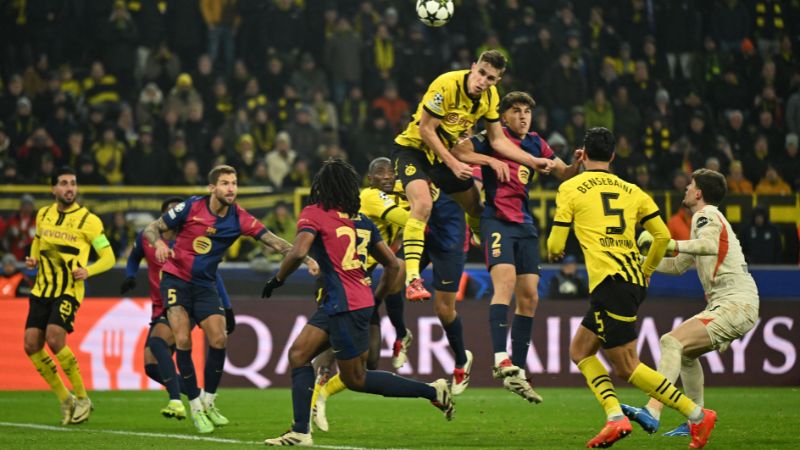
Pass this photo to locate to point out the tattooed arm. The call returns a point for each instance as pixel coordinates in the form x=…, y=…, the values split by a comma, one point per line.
x=281, y=246
x=152, y=232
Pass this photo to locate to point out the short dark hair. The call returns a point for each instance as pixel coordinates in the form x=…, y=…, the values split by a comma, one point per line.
x=712, y=184
x=377, y=162
x=494, y=58
x=213, y=175
x=165, y=204
x=513, y=98
x=599, y=144
x=63, y=170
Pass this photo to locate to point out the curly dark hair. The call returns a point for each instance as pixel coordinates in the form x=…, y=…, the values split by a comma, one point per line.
x=337, y=186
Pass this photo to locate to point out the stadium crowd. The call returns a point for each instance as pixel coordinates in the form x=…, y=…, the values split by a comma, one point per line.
x=148, y=92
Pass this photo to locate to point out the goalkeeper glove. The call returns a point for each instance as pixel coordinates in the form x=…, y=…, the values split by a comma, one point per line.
x=272, y=284
x=127, y=285
x=672, y=248
x=230, y=320
x=644, y=242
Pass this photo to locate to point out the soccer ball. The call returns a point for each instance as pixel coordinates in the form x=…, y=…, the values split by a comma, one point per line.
x=434, y=13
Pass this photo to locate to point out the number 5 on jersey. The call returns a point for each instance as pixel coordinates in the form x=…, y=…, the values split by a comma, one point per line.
x=172, y=296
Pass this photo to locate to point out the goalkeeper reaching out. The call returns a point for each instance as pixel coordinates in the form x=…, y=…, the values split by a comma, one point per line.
x=731, y=295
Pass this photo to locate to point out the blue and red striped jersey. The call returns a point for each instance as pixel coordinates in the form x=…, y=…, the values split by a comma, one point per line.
x=509, y=201
x=340, y=246
x=203, y=237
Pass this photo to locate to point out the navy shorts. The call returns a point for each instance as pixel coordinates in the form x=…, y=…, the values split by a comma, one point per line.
x=448, y=265
x=612, y=315
x=348, y=332
x=199, y=301
x=510, y=243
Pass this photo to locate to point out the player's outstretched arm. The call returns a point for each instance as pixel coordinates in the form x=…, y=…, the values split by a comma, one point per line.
x=672, y=265
x=132, y=266
x=391, y=268
x=658, y=229
x=559, y=232
x=562, y=171
x=283, y=247
x=507, y=149
x=291, y=261
x=152, y=232
x=465, y=152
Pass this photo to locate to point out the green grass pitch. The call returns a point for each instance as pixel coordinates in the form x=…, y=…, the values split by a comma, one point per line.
x=752, y=418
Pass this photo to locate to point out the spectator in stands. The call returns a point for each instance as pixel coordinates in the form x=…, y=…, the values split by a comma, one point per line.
x=274, y=78
x=22, y=123
x=643, y=179
x=191, y=175
x=299, y=176
x=790, y=163
x=10, y=98
x=30, y=155
x=565, y=88
x=101, y=88
x=118, y=39
x=737, y=183
x=680, y=224
x=772, y=183
x=87, y=172
x=305, y=139
x=161, y=67
x=263, y=131
x=10, y=175
x=323, y=112
x=755, y=163
x=380, y=64
x=280, y=159
x=21, y=228
x=627, y=118
x=761, y=239
x=221, y=20
x=145, y=162
x=575, y=129
x=150, y=104
x=599, y=112
x=568, y=283
x=395, y=109
x=109, y=154
x=729, y=23
x=13, y=283
x=120, y=235
x=308, y=77
x=343, y=58
x=182, y=97
x=281, y=222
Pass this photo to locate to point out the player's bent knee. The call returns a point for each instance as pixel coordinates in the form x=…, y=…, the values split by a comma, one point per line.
x=218, y=341
x=298, y=357
x=353, y=381
x=31, y=347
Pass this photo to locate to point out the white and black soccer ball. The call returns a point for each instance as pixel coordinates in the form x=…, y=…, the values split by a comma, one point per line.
x=435, y=13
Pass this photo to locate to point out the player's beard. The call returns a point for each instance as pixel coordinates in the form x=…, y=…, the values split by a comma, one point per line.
x=64, y=201
x=222, y=199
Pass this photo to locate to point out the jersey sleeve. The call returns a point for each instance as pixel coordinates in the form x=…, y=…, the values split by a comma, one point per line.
x=177, y=215
x=707, y=229
x=480, y=142
x=249, y=225
x=564, y=210
x=307, y=222
x=647, y=208
x=436, y=98
x=494, y=102
x=95, y=233
x=135, y=258
x=546, y=151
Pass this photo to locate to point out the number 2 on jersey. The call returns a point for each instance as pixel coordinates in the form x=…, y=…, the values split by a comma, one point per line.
x=609, y=211
x=352, y=255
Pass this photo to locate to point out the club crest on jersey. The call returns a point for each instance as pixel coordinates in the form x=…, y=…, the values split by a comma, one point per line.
x=211, y=231
x=201, y=245
x=496, y=252
x=410, y=170
x=523, y=174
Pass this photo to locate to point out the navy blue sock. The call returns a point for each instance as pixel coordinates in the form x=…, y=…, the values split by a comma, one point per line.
x=455, y=336
x=151, y=370
x=498, y=326
x=394, y=309
x=521, y=330
x=388, y=384
x=182, y=385
x=214, y=365
x=302, y=390
x=186, y=367
x=166, y=367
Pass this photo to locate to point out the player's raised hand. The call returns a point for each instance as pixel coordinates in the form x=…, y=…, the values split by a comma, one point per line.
x=271, y=284
x=31, y=263
x=500, y=169
x=462, y=171
x=127, y=285
x=163, y=252
x=544, y=165
x=579, y=155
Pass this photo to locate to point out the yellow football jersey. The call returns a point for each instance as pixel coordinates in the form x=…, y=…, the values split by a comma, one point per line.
x=64, y=241
x=447, y=100
x=604, y=210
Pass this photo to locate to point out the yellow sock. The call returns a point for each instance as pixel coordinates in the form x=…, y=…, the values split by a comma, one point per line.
x=599, y=382
x=47, y=369
x=474, y=224
x=658, y=387
x=69, y=364
x=413, y=244
x=333, y=386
